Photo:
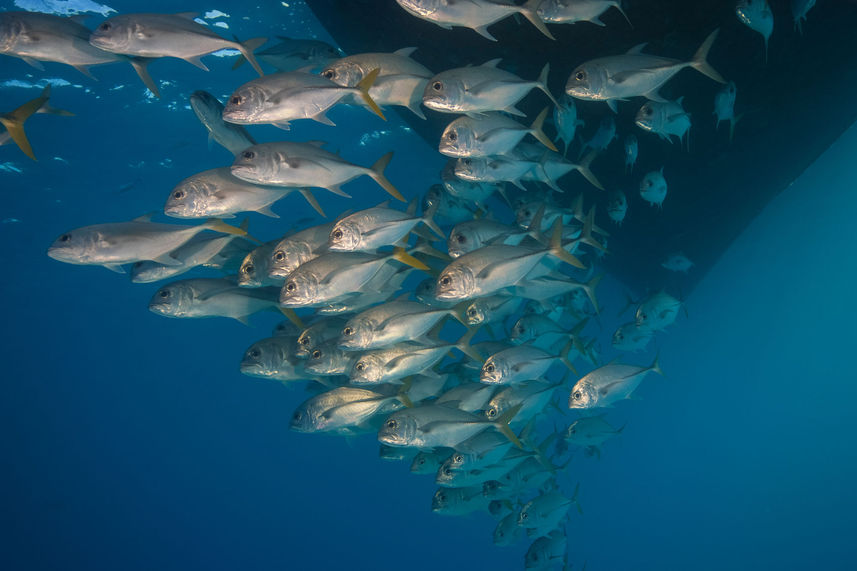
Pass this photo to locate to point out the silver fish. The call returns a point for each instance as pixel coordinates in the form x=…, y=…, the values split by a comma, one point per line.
x=632, y=337
x=665, y=119
x=295, y=249
x=253, y=271
x=211, y=297
x=327, y=359
x=724, y=107
x=458, y=501
x=653, y=187
x=489, y=134
x=658, y=311
x=632, y=149
x=507, y=531
x=209, y=111
x=617, y=206
x=608, y=384
x=566, y=121
x=602, y=137
x=590, y=433
x=273, y=358
x=572, y=11
x=756, y=15
x=342, y=407
x=389, y=323
x=547, y=552
x=449, y=207
x=292, y=54
x=521, y=363
x=431, y=426
x=633, y=74
x=325, y=329
x=372, y=228
x=198, y=251
x=427, y=462
x=474, y=14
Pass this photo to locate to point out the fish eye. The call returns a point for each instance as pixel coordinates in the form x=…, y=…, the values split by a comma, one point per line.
x=304, y=340
x=248, y=154
x=105, y=26
x=178, y=194
x=458, y=459
x=467, y=162
x=164, y=293
x=471, y=312
x=647, y=110
x=316, y=354
x=460, y=239
x=437, y=85
x=391, y=423
x=337, y=233
x=520, y=329
x=297, y=415
x=255, y=353
x=328, y=73
x=452, y=136
x=65, y=237
x=441, y=497
x=525, y=516
x=576, y=395
x=447, y=472
x=489, y=368
x=279, y=256
x=360, y=366
x=580, y=75
x=348, y=331
x=445, y=280
x=291, y=286
x=491, y=412
x=249, y=269
x=236, y=100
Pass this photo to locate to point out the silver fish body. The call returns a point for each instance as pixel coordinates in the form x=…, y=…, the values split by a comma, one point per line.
x=216, y=193
x=209, y=111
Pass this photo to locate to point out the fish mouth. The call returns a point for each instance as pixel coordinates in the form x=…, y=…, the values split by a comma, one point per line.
x=160, y=309
x=437, y=104
x=244, y=172
x=255, y=370
x=390, y=439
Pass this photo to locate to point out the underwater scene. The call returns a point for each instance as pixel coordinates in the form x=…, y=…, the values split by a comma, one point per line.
x=428, y=284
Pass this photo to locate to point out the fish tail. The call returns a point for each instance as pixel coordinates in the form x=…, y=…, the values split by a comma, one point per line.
x=459, y=312
x=247, y=48
x=293, y=317
x=14, y=121
x=563, y=355
x=537, y=131
x=528, y=11
x=404, y=257
x=583, y=168
x=543, y=84
x=586, y=232
x=54, y=111
x=557, y=250
x=219, y=225
x=428, y=219
x=141, y=65
x=700, y=59
x=310, y=198
x=656, y=367
x=363, y=87
x=464, y=346
x=574, y=497
x=589, y=290
x=403, y=392
x=376, y=171
x=502, y=424
x=239, y=61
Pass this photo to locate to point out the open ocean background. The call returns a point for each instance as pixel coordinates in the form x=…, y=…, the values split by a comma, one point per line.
x=130, y=441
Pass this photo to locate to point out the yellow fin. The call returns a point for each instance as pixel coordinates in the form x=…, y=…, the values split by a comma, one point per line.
x=364, y=86
x=402, y=256
x=376, y=171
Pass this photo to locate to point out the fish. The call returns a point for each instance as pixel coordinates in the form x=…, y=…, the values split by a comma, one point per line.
x=292, y=250
x=448, y=478
x=306, y=165
x=469, y=397
x=431, y=426
x=342, y=407
x=209, y=111
x=458, y=501
x=677, y=262
x=372, y=228
x=616, y=78
x=273, y=358
x=553, y=166
x=471, y=235
x=390, y=323
x=474, y=90
x=507, y=531
x=532, y=396
x=756, y=15
x=167, y=35
x=548, y=551
x=335, y=274
x=631, y=150
x=521, y=363
x=450, y=208
x=211, y=297
x=617, y=206
x=608, y=385
x=658, y=311
x=474, y=14
x=491, y=309
x=666, y=120
x=501, y=168
x=280, y=98
x=253, y=271
x=292, y=54
x=14, y=120
x=551, y=286
x=114, y=244
x=724, y=107
x=602, y=138
x=632, y=337
x=546, y=511
x=467, y=193
x=401, y=80
x=327, y=359
x=590, y=433
x=325, y=329
x=35, y=37
x=428, y=461
x=653, y=187
x=800, y=8
x=566, y=121
x=489, y=134
x=286, y=328
x=201, y=250
x=216, y=193
x=572, y=11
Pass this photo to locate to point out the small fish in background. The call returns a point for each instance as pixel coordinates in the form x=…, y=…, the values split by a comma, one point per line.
x=608, y=385
x=401, y=79
x=632, y=149
x=14, y=120
x=724, y=108
x=602, y=138
x=658, y=311
x=273, y=358
x=486, y=87
x=653, y=188
x=212, y=297
x=677, y=262
x=566, y=121
x=474, y=14
x=209, y=111
x=570, y=12
x=615, y=78
x=757, y=15
x=292, y=54
x=631, y=337
x=590, y=433
x=800, y=8
x=665, y=119
x=507, y=531
x=548, y=552
x=452, y=209
x=617, y=206
x=167, y=35
x=201, y=250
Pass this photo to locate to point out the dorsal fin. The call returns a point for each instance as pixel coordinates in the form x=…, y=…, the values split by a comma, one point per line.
x=405, y=52
x=638, y=48
x=187, y=15
x=147, y=217
x=492, y=62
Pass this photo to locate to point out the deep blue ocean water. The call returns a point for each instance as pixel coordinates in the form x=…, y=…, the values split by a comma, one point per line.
x=131, y=441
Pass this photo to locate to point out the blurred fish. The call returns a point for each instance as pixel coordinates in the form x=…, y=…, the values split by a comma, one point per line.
x=546, y=511
x=35, y=37
x=458, y=501
x=292, y=54
x=800, y=8
x=198, y=251
x=427, y=462
x=280, y=98
x=666, y=120
x=608, y=384
x=273, y=358
x=572, y=11
x=489, y=134
x=631, y=337
x=327, y=359
x=677, y=262
x=473, y=234
x=114, y=244
x=486, y=87
x=616, y=78
x=724, y=107
x=253, y=271
x=325, y=329
x=211, y=297
x=469, y=192
x=617, y=206
x=306, y=164
x=653, y=187
x=507, y=531
x=449, y=207
x=658, y=311
x=286, y=328
x=547, y=552
x=14, y=120
x=469, y=397
x=209, y=111
x=631, y=151
x=602, y=138
x=566, y=121
x=401, y=80
x=167, y=35
x=756, y=15
x=590, y=433
x=474, y=14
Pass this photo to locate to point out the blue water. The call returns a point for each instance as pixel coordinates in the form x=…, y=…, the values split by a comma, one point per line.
x=131, y=441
